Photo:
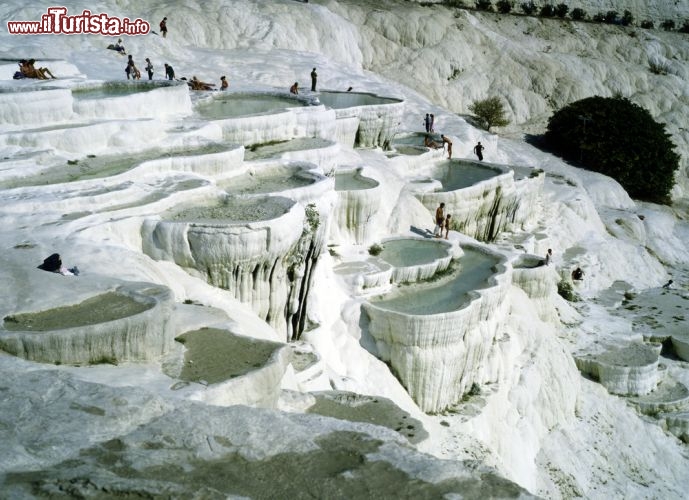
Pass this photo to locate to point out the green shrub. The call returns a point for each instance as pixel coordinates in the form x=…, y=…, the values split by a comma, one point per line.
x=561, y=10
x=565, y=290
x=375, y=249
x=490, y=112
x=611, y=17
x=578, y=14
x=668, y=25
x=618, y=138
x=454, y=3
x=684, y=28
x=599, y=18
x=528, y=8
x=484, y=5
x=647, y=24
x=547, y=10
x=504, y=6
x=627, y=18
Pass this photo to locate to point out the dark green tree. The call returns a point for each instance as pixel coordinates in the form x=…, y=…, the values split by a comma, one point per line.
x=561, y=10
x=484, y=5
x=668, y=25
x=627, y=18
x=547, y=10
x=504, y=6
x=618, y=138
x=578, y=14
x=529, y=8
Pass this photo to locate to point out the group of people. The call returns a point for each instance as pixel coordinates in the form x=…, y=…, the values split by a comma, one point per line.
x=442, y=222
x=28, y=70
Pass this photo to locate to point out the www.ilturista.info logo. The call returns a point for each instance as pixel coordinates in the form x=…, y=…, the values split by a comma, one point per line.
x=57, y=22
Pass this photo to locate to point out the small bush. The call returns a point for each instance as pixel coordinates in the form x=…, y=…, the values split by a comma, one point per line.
x=454, y=3
x=647, y=24
x=565, y=290
x=627, y=18
x=375, y=249
x=484, y=5
x=578, y=14
x=611, y=17
x=684, y=28
x=668, y=25
x=504, y=6
x=490, y=112
x=547, y=10
x=599, y=18
x=561, y=10
x=528, y=8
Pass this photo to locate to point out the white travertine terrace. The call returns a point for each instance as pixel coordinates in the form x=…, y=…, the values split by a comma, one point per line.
x=631, y=370
x=539, y=282
x=265, y=262
x=438, y=355
x=87, y=332
x=353, y=216
x=132, y=101
x=34, y=107
x=486, y=208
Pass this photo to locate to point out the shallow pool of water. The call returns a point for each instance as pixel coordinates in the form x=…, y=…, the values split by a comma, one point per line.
x=113, y=90
x=458, y=174
x=269, y=181
x=412, y=252
x=100, y=309
x=339, y=100
x=443, y=295
x=235, y=210
x=236, y=105
x=353, y=181
x=269, y=150
x=97, y=167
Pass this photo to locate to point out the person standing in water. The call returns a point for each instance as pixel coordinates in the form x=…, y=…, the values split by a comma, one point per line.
x=446, y=140
x=223, y=83
x=163, y=27
x=314, y=79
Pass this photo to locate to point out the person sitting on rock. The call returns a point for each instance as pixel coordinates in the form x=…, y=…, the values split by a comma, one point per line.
x=197, y=84
x=53, y=264
x=29, y=71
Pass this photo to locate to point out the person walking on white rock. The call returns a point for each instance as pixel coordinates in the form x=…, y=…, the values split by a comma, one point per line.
x=478, y=150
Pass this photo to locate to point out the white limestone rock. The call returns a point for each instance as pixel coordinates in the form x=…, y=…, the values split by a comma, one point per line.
x=629, y=370
x=438, y=355
x=127, y=323
x=144, y=100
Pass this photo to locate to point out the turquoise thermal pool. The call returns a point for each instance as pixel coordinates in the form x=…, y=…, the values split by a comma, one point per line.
x=340, y=100
x=353, y=181
x=406, y=252
x=270, y=180
x=447, y=294
x=236, y=105
x=457, y=174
